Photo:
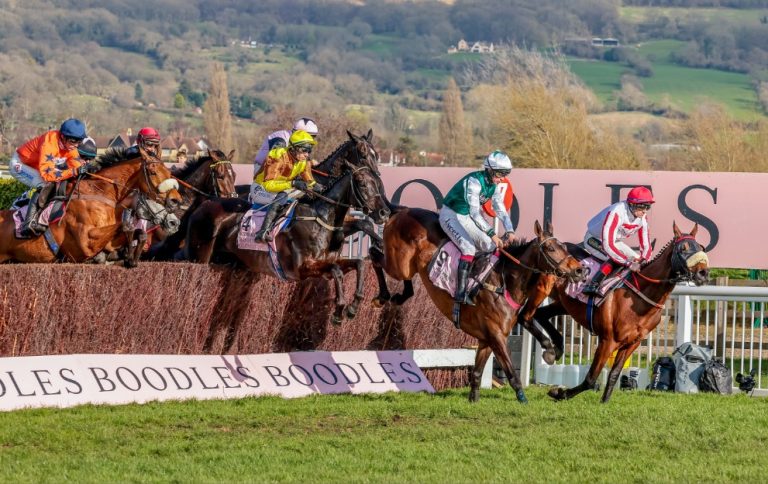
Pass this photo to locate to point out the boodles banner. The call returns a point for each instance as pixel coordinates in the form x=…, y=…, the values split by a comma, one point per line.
x=729, y=207
x=68, y=380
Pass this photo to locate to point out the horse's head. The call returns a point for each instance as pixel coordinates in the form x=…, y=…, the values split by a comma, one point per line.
x=367, y=186
x=222, y=174
x=689, y=261
x=554, y=257
x=157, y=182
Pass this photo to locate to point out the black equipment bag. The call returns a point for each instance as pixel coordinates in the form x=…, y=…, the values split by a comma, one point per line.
x=716, y=378
x=663, y=375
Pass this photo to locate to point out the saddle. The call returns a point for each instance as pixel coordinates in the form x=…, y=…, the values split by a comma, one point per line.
x=251, y=223
x=443, y=269
x=591, y=265
x=52, y=212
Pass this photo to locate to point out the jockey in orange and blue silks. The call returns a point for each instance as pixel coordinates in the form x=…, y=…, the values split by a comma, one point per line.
x=461, y=219
x=40, y=162
x=607, y=229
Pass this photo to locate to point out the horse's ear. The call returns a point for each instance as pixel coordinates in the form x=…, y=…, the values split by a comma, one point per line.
x=351, y=136
x=695, y=229
x=369, y=136
x=231, y=155
x=537, y=229
x=676, y=230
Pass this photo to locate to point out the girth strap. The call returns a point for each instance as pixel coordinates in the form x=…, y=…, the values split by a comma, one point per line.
x=320, y=222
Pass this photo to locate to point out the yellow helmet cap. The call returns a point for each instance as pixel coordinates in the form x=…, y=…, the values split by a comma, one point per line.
x=301, y=137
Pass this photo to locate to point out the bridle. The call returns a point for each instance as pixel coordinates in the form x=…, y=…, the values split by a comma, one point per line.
x=678, y=261
x=554, y=266
x=214, y=178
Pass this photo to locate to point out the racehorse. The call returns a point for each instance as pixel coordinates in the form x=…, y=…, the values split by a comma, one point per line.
x=630, y=312
x=92, y=219
x=205, y=177
x=411, y=238
x=310, y=247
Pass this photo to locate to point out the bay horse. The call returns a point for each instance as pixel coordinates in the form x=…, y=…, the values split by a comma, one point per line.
x=411, y=237
x=629, y=312
x=311, y=245
x=92, y=220
x=202, y=178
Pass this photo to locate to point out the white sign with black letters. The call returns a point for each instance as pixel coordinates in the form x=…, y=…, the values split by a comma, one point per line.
x=67, y=380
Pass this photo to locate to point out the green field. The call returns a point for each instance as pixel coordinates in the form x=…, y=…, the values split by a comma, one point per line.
x=683, y=87
x=637, y=437
x=688, y=15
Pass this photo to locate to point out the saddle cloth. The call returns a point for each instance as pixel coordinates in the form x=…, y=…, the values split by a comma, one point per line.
x=591, y=266
x=443, y=269
x=50, y=214
x=252, y=222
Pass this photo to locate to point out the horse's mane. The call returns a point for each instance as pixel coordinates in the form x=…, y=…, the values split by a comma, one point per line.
x=660, y=252
x=328, y=165
x=113, y=156
x=189, y=167
x=517, y=247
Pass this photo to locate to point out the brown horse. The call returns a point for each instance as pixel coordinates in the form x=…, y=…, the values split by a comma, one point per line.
x=203, y=178
x=310, y=247
x=630, y=312
x=411, y=238
x=92, y=221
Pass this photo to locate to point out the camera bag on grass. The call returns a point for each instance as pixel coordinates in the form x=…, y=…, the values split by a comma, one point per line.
x=716, y=378
x=663, y=378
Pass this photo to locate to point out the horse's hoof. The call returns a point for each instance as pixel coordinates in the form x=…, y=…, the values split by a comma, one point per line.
x=336, y=320
x=521, y=396
x=557, y=393
x=474, y=396
x=549, y=356
x=351, y=312
x=379, y=302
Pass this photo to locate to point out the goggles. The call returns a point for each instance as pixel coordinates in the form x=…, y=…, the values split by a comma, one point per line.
x=640, y=206
x=500, y=173
x=151, y=143
x=72, y=141
x=304, y=149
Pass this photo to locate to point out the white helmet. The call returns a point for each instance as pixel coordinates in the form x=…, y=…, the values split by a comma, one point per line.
x=306, y=124
x=497, y=161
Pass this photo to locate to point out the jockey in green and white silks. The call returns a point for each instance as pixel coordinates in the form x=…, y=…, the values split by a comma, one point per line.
x=461, y=219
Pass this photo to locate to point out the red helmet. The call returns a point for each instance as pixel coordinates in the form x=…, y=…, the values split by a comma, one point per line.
x=640, y=195
x=147, y=134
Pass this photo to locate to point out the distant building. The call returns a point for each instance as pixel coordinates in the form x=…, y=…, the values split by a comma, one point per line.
x=605, y=42
x=478, y=47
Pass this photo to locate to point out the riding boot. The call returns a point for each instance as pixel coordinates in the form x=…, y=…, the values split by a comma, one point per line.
x=263, y=235
x=30, y=227
x=461, y=296
x=591, y=288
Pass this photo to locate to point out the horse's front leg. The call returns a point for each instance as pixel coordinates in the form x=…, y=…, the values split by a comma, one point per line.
x=498, y=344
x=358, y=265
x=136, y=241
x=603, y=352
x=377, y=260
x=618, y=363
x=553, y=350
x=481, y=358
x=338, y=279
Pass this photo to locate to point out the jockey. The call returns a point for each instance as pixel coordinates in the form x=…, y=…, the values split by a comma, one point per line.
x=461, y=219
x=87, y=150
x=606, y=230
x=147, y=138
x=42, y=161
x=280, y=138
x=287, y=172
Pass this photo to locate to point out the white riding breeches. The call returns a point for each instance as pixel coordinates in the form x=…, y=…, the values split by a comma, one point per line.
x=628, y=251
x=259, y=196
x=464, y=233
x=24, y=173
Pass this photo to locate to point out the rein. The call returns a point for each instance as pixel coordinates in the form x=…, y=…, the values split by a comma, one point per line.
x=554, y=265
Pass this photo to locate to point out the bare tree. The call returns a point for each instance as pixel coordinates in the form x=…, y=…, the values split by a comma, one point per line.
x=216, y=117
x=455, y=137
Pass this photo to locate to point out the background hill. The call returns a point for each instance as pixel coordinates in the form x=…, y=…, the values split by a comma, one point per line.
x=124, y=64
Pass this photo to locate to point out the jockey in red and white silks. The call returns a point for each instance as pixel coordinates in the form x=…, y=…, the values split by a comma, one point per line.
x=613, y=224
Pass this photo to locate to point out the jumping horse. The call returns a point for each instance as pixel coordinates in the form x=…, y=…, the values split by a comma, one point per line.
x=628, y=313
x=311, y=245
x=202, y=178
x=92, y=220
x=411, y=237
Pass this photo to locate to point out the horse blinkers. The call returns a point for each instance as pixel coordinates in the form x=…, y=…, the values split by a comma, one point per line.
x=689, y=261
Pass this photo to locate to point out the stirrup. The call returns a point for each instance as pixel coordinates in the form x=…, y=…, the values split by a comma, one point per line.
x=591, y=289
x=457, y=314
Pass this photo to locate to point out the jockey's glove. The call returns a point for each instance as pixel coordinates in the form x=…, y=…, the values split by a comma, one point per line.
x=299, y=185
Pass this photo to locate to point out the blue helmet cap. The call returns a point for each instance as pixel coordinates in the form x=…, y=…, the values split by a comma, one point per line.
x=73, y=128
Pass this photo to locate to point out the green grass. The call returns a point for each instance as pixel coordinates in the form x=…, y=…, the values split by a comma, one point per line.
x=637, y=437
x=683, y=87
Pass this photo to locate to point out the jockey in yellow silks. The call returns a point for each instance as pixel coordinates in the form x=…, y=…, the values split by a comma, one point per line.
x=285, y=175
